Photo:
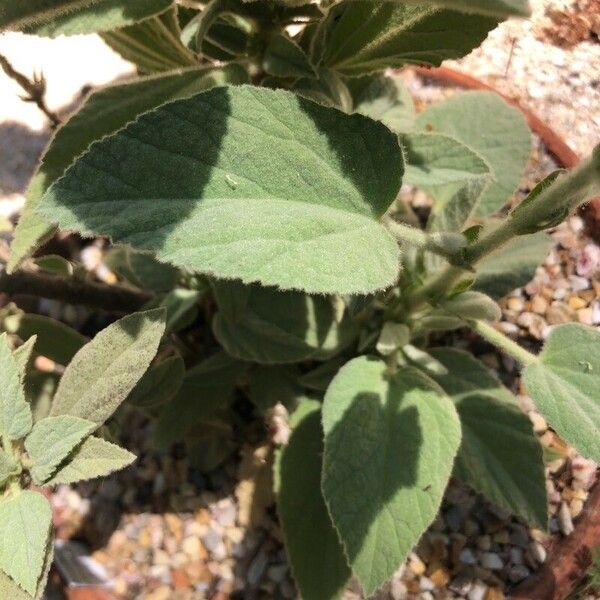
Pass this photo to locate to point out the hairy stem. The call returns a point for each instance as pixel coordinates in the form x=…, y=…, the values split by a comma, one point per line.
x=111, y=298
x=492, y=335
x=35, y=89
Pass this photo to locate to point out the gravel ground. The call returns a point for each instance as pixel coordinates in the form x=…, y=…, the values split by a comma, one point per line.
x=164, y=531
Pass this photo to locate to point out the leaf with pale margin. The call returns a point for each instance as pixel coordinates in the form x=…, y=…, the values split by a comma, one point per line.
x=23, y=354
x=47, y=331
x=158, y=384
x=499, y=8
x=359, y=37
x=104, y=371
x=15, y=414
x=564, y=382
x=390, y=443
x=276, y=190
x=95, y=457
x=384, y=99
x=205, y=388
x=283, y=327
x=25, y=520
x=496, y=131
x=72, y=17
x=51, y=440
x=284, y=58
x=104, y=112
x=500, y=456
x=513, y=265
x=317, y=558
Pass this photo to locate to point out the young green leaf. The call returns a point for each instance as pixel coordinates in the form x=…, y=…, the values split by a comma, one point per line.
x=498, y=8
x=494, y=130
x=22, y=355
x=8, y=467
x=512, y=265
x=105, y=370
x=275, y=200
x=141, y=269
x=15, y=414
x=284, y=58
x=384, y=99
x=25, y=520
x=93, y=458
x=434, y=160
x=153, y=44
x=500, y=456
x=205, y=388
x=564, y=383
x=359, y=37
x=283, y=327
x=393, y=336
x=47, y=331
x=181, y=305
x=71, y=17
x=158, y=384
x=390, y=443
x=471, y=305
x=104, y=112
x=51, y=440
x=317, y=558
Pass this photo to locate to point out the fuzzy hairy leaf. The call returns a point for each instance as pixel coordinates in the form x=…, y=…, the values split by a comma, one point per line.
x=104, y=112
x=158, y=384
x=564, y=381
x=492, y=128
x=70, y=17
x=513, y=265
x=471, y=305
x=276, y=190
x=9, y=589
x=104, y=371
x=25, y=519
x=282, y=327
x=500, y=456
x=499, y=8
x=51, y=440
x=23, y=354
x=434, y=160
x=384, y=99
x=8, y=467
x=390, y=443
x=359, y=37
x=316, y=555
x=205, y=388
x=95, y=457
x=48, y=331
x=153, y=45
x=15, y=414
x=284, y=58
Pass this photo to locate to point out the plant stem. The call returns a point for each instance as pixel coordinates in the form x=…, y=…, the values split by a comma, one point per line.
x=492, y=335
x=111, y=298
x=35, y=89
